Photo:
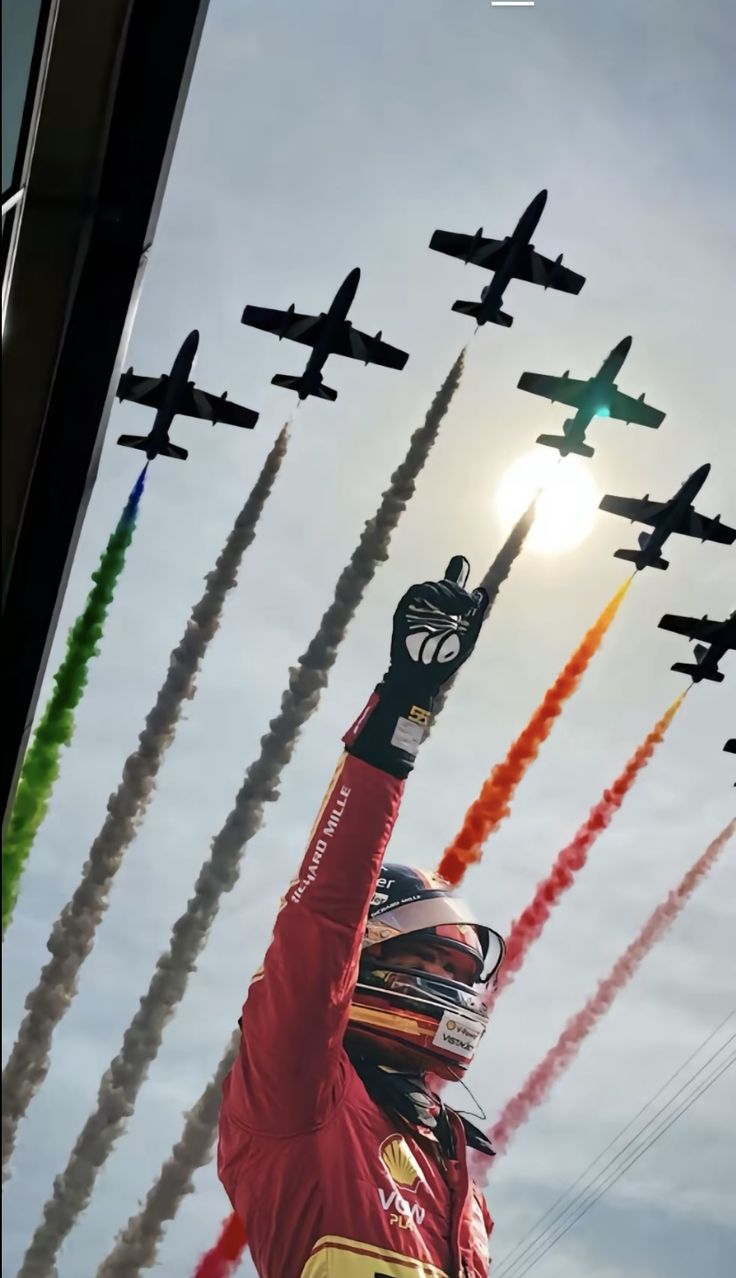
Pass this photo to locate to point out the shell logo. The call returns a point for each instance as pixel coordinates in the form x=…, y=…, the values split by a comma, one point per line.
x=400, y=1163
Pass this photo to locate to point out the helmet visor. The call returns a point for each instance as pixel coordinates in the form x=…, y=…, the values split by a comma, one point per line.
x=448, y=918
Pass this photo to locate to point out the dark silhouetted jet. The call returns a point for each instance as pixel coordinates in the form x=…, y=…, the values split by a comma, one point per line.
x=513, y=258
x=720, y=636
x=328, y=334
x=674, y=516
x=598, y=397
x=173, y=393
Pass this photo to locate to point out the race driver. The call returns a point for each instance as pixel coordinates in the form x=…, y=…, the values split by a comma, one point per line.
x=339, y=1159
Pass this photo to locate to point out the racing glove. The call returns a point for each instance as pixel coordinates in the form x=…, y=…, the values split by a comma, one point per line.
x=434, y=631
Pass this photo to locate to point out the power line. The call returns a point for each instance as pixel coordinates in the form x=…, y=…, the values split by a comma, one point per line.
x=636, y=1155
x=511, y=1259
x=586, y=1189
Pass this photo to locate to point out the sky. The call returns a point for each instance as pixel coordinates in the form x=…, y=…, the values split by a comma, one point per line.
x=317, y=138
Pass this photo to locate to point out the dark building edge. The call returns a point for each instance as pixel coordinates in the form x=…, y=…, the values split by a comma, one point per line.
x=160, y=46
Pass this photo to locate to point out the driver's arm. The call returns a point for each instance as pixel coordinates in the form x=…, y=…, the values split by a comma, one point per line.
x=291, y=1068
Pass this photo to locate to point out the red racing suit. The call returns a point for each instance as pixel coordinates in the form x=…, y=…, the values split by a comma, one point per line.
x=326, y=1183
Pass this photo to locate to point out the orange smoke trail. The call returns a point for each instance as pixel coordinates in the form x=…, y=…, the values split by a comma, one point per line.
x=222, y=1260
x=529, y=925
x=539, y=1083
x=492, y=805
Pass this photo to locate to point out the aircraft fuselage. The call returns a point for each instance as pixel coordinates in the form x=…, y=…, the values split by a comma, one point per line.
x=333, y=320
x=176, y=383
x=599, y=393
x=673, y=515
x=517, y=243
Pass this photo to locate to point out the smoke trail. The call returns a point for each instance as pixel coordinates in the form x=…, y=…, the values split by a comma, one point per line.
x=55, y=729
x=127, y=1071
x=539, y=1083
x=223, y=1259
x=530, y=924
x=136, y=1245
x=73, y=934
x=487, y=812
x=494, y=579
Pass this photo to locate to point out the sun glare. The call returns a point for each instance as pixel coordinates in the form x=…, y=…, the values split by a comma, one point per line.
x=566, y=507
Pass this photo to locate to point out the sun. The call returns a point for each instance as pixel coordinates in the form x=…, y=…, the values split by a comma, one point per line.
x=566, y=506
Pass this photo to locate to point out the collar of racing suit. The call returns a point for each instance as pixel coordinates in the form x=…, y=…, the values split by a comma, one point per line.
x=408, y=1096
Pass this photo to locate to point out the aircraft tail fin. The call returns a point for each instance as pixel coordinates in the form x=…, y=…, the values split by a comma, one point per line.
x=682, y=667
x=173, y=450
x=637, y=557
x=474, y=309
x=141, y=442
x=290, y=382
x=133, y=441
x=565, y=446
x=695, y=669
x=467, y=308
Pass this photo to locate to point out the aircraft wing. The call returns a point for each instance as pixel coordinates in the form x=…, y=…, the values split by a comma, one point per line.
x=297, y=328
x=700, y=628
x=480, y=250
x=353, y=344
x=536, y=269
x=142, y=390
x=561, y=390
x=215, y=408
x=695, y=525
x=627, y=409
x=634, y=508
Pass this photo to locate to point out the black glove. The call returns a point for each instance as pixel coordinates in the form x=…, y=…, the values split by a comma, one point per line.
x=435, y=629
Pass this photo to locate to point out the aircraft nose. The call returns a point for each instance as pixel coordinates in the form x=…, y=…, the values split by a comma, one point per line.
x=703, y=471
x=193, y=339
x=624, y=345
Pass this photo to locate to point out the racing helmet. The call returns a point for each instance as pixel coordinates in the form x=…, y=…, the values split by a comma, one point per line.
x=412, y=1020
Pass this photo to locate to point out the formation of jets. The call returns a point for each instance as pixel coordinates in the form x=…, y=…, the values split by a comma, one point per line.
x=174, y=393
x=512, y=258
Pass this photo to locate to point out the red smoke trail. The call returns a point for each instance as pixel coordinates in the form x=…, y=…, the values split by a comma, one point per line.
x=492, y=805
x=221, y=1261
x=539, y=1083
x=529, y=925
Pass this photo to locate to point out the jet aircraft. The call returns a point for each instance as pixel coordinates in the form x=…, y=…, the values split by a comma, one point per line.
x=730, y=746
x=328, y=334
x=720, y=636
x=599, y=396
x=513, y=258
x=674, y=516
x=173, y=393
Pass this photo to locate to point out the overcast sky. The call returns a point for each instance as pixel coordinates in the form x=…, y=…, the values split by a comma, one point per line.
x=319, y=137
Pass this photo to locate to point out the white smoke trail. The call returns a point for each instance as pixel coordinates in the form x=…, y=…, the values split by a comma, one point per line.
x=73, y=934
x=128, y=1070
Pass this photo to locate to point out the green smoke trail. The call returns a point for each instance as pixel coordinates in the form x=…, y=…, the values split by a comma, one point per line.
x=41, y=763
